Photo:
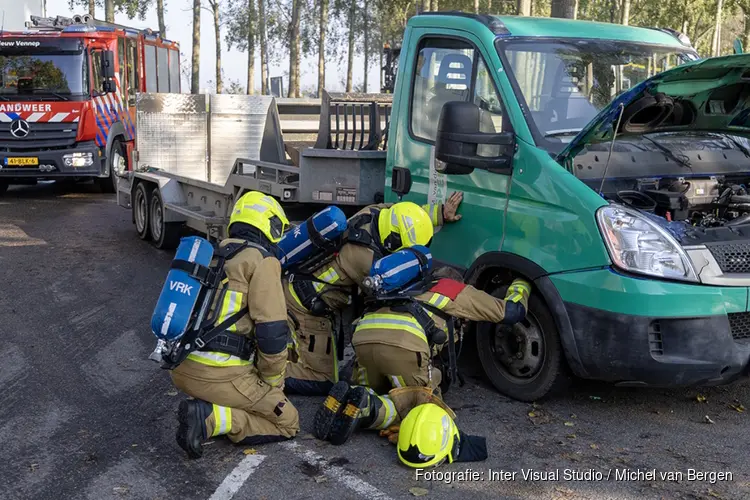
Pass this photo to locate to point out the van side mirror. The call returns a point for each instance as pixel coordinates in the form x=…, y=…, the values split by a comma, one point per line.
x=108, y=64
x=459, y=138
x=401, y=181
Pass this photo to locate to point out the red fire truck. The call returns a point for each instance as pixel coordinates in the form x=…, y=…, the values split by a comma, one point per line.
x=67, y=97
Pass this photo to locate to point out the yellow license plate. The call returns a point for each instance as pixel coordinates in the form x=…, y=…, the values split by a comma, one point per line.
x=21, y=162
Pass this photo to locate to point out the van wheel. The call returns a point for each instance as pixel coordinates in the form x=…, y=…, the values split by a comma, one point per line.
x=164, y=235
x=117, y=159
x=523, y=361
x=140, y=210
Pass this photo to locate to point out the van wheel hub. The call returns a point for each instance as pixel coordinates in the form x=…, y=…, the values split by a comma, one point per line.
x=519, y=348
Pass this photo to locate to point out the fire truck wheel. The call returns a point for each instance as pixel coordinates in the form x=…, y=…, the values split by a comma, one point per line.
x=3, y=187
x=164, y=235
x=141, y=197
x=118, y=155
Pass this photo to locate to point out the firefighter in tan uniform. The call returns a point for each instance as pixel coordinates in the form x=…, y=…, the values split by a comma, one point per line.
x=393, y=351
x=237, y=379
x=378, y=231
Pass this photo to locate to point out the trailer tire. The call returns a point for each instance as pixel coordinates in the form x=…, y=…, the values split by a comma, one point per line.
x=117, y=154
x=164, y=235
x=141, y=212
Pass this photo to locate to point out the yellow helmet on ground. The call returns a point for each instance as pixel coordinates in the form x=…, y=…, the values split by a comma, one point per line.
x=404, y=225
x=427, y=437
x=261, y=211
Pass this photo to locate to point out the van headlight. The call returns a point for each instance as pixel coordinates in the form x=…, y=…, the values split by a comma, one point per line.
x=639, y=245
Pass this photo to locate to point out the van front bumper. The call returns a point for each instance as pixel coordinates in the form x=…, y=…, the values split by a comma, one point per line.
x=636, y=331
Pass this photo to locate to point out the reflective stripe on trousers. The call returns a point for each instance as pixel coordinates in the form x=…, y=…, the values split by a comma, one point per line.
x=212, y=358
x=374, y=321
x=222, y=420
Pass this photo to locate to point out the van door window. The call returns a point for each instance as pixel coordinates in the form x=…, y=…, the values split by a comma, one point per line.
x=133, y=66
x=488, y=100
x=443, y=74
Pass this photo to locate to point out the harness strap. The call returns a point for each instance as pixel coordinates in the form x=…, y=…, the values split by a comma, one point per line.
x=202, y=273
x=231, y=343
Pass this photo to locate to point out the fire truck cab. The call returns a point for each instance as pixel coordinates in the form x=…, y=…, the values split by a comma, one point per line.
x=67, y=97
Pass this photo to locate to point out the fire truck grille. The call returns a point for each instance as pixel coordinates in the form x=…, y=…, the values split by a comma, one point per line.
x=41, y=136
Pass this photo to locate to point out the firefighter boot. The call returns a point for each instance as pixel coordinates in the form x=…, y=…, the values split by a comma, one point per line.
x=360, y=411
x=330, y=408
x=191, y=433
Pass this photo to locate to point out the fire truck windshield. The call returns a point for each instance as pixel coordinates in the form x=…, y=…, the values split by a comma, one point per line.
x=47, y=76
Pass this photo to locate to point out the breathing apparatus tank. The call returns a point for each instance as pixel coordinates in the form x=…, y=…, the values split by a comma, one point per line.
x=399, y=271
x=180, y=293
x=311, y=239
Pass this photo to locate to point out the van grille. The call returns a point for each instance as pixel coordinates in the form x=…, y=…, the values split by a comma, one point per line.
x=739, y=324
x=41, y=135
x=732, y=258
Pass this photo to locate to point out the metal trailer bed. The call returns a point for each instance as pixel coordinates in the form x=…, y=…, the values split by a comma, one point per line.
x=196, y=154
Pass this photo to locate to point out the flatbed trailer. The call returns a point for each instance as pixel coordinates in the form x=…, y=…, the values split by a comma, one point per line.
x=198, y=153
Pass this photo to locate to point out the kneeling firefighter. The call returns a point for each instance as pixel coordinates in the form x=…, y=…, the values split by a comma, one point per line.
x=316, y=298
x=234, y=367
x=409, y=321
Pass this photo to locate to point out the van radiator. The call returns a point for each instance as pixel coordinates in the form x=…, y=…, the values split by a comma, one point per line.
x=739, y=324
x=733, y=258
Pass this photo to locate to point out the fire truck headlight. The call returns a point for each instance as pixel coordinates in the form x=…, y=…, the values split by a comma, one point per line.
x=78, y=159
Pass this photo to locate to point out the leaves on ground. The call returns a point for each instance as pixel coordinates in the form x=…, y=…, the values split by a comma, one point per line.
x=33, y=467
x=320, y=479
x=538, y=416
x=708, y=420
x=701, y=398
x=737, y=406
x=594, y=446
x=418, y=492
x=571, y=436
x=569, y=424
x=121, y=489
x=250, y=451
x=173, y=392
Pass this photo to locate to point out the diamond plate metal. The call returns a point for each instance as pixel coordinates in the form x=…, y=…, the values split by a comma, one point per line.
x=172, y=132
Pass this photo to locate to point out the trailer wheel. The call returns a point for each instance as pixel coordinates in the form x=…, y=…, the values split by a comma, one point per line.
x=117, y=159
x=140, y=210
x=524, y=361
x=164, y=235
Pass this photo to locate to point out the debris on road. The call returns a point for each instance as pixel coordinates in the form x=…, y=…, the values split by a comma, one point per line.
x=120, y=489
x=701, y=398
x=250, y=451
x=708, y=420
x=172, y=393
x=418, y=492
x=737, y=406
x=569, y=424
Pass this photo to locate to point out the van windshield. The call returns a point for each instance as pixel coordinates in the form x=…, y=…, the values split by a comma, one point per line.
x=31, y=76
x=564, y=84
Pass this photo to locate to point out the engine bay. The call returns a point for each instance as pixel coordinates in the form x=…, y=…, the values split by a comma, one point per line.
x=700, y=202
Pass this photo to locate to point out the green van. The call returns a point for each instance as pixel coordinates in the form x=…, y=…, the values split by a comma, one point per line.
x=609, y=165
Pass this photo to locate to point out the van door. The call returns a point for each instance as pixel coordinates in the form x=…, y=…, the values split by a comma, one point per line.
x=443, y=66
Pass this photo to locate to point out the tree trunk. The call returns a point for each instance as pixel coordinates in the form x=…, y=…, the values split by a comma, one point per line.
x=294, y=50
x=160, y=16
x=625, y=19
x=524, y=7
x=563, y=8
x=251, y=29
x=425, y=7
x=263, y=47
x=195, y=78
x=92, y=8
x=489, y=6
x=322, y=47
x=109, y=11
x=366, y=41
x=716, y=40
x=350, y=61
x=476, y=6
x=217, y=33
x=434, y=6
x=382, y=44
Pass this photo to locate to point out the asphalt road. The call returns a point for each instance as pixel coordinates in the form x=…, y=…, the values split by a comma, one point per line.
x=85, y=415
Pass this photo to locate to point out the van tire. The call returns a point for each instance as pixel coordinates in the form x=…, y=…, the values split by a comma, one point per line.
x=550, y=378
x=164, y=235
x=141, y=212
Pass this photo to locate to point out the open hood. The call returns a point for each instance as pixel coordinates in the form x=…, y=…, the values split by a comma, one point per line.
x=710, y=95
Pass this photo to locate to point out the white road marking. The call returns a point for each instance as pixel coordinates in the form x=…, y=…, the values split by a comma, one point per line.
x=338, y=474
x=234, y=481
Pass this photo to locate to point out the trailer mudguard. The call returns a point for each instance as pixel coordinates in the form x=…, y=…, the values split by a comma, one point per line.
x=312, y=238
x=399, y=270
x=180, y=293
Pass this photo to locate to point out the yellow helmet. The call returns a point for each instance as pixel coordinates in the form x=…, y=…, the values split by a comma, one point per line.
x=261, y=211
x=404, y=225
x=427, y=437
